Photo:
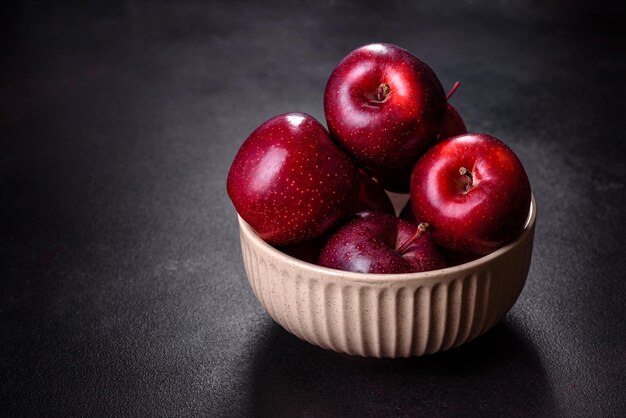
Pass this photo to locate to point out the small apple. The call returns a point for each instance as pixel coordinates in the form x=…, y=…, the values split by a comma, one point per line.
x=290, y=182
x=473, y=190
x=377, y=242
x=384, y=106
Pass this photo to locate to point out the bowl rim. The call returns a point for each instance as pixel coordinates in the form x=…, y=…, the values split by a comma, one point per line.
x=327, y=272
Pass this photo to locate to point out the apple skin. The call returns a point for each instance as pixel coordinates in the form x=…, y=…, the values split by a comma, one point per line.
x=453, y=124
x=379, y=128
x=369, y=243
x=372, y=196
x=491, y=213
x=290, y=182
x=398, y=180
x=452, y=258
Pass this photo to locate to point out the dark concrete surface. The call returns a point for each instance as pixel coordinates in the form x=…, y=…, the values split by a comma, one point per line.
x=122, y=290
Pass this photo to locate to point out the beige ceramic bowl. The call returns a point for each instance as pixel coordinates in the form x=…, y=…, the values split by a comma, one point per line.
x=387, y=315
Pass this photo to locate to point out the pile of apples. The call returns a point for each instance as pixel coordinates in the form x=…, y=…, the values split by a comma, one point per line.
x=320, y=195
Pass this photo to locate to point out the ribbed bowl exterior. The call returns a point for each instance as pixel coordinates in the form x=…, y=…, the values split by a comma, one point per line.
x=398, y=315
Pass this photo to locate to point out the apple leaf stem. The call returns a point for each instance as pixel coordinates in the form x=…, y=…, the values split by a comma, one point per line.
x=453, y=89
x=421, y=228
x=470, y=183
x=383, y=91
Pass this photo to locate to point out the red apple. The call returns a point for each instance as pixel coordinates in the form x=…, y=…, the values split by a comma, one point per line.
x=473, y=190
x=290, y=182
x=384, y=106
x=377, y=242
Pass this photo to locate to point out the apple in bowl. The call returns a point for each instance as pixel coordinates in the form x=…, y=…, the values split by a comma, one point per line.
x=290, y=182
x=474, y=192
x=384, y=106
x=380, y=243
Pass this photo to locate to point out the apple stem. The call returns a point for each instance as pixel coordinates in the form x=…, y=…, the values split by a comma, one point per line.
x=453, y=89
x=465, y=172
x=421, y=228
x=383, y=91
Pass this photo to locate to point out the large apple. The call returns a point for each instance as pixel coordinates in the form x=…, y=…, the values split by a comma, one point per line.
x=377, y=242
x=384, y=106
x=473, y=190
x=290, y=182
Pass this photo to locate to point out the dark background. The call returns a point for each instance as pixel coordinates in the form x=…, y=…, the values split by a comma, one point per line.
x=122, y=290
